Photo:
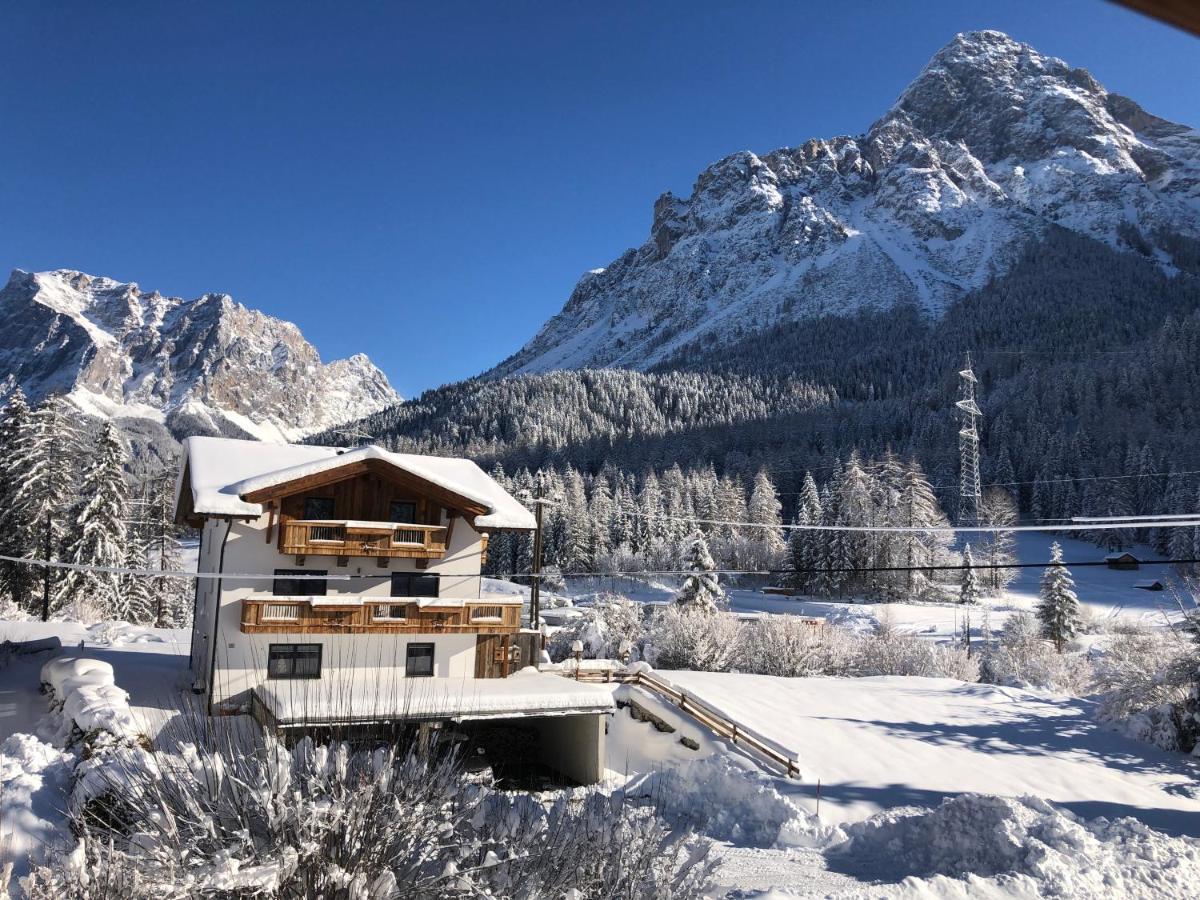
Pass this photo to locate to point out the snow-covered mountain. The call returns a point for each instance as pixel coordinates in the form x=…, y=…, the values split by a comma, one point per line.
x=208, y=365
x=988, y=147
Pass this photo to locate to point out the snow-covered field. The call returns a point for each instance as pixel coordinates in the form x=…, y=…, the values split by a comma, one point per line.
x=881, y=752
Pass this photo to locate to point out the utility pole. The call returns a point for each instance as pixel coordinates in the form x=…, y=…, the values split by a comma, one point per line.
x=535, y=585
x=538, y=500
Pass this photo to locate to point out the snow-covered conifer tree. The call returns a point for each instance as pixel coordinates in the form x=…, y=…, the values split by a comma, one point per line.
x=17, y=530
x=918, y=507
x=1058, y=610
x=701, y=591
x=764, y=509
x=100, y=538
x=999, y=548
x=42, y=471
x=969, y=588
x=803, y=544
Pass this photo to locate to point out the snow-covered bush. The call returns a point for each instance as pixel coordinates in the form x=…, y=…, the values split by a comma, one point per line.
x=683, y=638
x=92, y=709
x=233, y=816
x=1142, y=667
x=792, y=647
x=602, y=627
x=1022, y=657
x=891, y=652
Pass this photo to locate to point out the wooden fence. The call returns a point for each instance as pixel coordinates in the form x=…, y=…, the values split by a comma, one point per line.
x=712, y=719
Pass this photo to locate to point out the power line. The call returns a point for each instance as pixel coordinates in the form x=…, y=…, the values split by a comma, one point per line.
x=947, y=487
x=1133, y=519
x=828, y=570
x=243, y=576
x=166, y=573
x=1193, y=521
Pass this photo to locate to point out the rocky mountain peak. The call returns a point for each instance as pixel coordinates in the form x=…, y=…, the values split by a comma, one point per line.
x=205, y=365
x=991, y=144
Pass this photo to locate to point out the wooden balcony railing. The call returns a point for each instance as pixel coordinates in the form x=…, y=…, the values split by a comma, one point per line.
x=346, y=537
x=368, y=615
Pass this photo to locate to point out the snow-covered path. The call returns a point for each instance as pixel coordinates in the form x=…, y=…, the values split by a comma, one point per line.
x=877, y=743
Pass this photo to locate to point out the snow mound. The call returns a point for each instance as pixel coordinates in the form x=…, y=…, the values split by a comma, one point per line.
x=1026, y=840
x=88, y=697
x=33, y=776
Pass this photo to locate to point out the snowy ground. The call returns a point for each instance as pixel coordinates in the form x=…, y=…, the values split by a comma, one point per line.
x=876, y=744
x=150, y=664
x=879, y=745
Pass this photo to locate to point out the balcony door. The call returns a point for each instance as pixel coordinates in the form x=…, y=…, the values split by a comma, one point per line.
x=402, y=511
x=318, y=508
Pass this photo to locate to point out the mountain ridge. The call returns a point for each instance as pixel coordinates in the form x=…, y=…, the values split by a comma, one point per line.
x=991, y=144
x=208, y=365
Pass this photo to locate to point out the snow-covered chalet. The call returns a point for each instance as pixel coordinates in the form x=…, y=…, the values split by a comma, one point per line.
x=342, y=587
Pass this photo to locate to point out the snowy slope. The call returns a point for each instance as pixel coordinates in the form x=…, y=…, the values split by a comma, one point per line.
x=991, y=144
x=208, y=365
x=879, y=743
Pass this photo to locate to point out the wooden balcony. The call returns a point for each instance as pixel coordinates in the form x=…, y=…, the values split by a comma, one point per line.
x=347, y=537
x=361, y=615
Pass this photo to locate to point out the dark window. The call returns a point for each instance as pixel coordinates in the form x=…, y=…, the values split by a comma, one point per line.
x=410, y=584
x=420, y=661
x=294, y=661
x=403, y=511
x=286, y=585
x=318, y=507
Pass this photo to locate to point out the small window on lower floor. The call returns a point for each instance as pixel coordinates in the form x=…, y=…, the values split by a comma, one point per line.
x=390, y=612
x=420, y=661
x=294, y=661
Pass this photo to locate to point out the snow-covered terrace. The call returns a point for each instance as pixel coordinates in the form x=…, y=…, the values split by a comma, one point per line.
x=359, y=698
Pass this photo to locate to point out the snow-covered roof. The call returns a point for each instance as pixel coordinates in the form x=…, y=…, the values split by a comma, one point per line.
x=222, y=470
x=357, y=696
x=1124, y=554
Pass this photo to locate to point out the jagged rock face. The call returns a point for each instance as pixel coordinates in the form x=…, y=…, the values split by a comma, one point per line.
x=205, y=365
x=989, y=146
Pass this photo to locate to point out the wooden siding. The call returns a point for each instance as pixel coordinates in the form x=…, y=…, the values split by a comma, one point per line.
x=359, y=525
x=383, y=540
x=262, y=615
x=491, y=655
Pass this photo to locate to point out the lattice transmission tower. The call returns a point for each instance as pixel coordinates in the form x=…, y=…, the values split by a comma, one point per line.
x=969, y=494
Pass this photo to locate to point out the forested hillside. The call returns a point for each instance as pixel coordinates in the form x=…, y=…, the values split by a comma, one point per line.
x=1088, y=357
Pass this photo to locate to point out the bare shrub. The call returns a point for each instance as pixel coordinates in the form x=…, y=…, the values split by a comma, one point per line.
x=1142, y=668
x=791, y=647
x=892, y=652
x=602, y=628
x=1022, y=657
x=247, y=817
x=684, y=638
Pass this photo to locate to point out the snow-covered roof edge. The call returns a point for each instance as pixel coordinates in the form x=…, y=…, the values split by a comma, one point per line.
x=223, y=470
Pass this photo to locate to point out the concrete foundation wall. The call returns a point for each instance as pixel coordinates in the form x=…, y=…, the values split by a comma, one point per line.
x=574, y=745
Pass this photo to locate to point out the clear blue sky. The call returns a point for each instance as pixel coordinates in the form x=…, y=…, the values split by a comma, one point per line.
x=426, y=184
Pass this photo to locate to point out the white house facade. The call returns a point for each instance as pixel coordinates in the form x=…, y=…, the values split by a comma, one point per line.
x=341, y=586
